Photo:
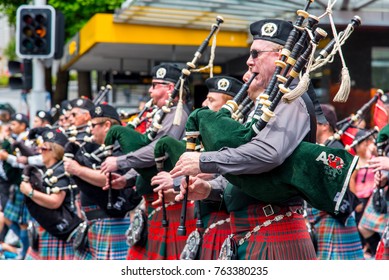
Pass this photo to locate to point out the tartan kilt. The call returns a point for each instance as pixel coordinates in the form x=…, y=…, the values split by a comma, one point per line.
x=164, y=243
x=16, y=209
x=335, y=240
x=214, y=238
x=106, y=237
x=107, y=240
x=287, y=239
x=382, y=251
x=50, y=248
x=372, y=220
x=137, y=252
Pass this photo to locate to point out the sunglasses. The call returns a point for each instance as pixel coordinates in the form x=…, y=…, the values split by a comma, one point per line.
x=76, y=114
x=45, y=149
x=154, y=85
x=255, y=53
x=93, y=125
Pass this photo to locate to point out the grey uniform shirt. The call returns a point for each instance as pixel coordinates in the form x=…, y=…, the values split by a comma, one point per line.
x=266, y=150
x=144, y=157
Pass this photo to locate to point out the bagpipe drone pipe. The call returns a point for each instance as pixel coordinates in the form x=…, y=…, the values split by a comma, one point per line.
x=131, y=140
x=347, y=123
x=318, y=174
x=116, y=203
x=59, y=222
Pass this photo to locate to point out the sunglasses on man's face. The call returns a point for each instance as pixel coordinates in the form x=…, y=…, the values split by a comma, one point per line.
x=256, y=53
x=93, y=125
x=155, y=84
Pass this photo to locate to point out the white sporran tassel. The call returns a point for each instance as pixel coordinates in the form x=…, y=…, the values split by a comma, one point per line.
x=345, y=85
x=180, y=105
x=299, y=90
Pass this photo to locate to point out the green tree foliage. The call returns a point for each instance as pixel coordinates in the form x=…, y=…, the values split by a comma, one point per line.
x=9, y=8
x=78, y=12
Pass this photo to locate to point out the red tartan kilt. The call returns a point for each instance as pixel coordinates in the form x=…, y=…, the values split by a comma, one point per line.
x=382, y=252
x=287, y=239
x=164, y=243
x=137, y=253
x=213, y=240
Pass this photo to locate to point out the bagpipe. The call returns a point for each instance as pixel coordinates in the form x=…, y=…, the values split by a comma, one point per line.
x=102, y=94
x=139, y=118
x=82, y=133
x=379, y=197
x=168, y=150
x=371, y=133
x=318, y=174
x=116, y=203
x=60, y=222
x=347, y=123
x=73, y=131
x=131, y=140
x=21, y=149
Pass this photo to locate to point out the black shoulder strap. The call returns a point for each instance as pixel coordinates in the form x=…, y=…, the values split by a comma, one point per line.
x=310, y=99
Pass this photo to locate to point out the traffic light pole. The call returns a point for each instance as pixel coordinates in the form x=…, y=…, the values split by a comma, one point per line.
x=38, y=94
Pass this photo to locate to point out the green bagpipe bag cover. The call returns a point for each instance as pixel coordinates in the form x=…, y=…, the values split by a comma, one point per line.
x=383, y=136
x=169, y=150
x=130, y=140
x=317, y=173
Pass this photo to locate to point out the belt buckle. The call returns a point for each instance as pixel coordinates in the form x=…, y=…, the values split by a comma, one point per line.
x=268, y=210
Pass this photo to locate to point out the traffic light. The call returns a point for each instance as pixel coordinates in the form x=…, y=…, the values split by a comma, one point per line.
x=35, y=31
x=21, y=74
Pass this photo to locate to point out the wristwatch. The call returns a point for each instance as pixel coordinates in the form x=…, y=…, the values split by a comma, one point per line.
x=31, y=193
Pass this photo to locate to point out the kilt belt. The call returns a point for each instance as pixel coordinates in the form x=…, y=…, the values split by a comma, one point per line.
x=96, y=214
x=274, y=213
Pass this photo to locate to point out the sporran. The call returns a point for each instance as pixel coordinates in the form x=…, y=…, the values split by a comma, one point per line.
x=137, y=232
x=80, y=241
x=33, y=236
x=192, y=246
x=229, y=249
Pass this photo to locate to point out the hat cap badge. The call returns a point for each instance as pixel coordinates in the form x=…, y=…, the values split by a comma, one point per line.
x=161, y=73
x=50, y=135
x=80, y=102
x=98, y=110
x=223, y=84
x=41, y=114
x=18, y=117
x=269, y=29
